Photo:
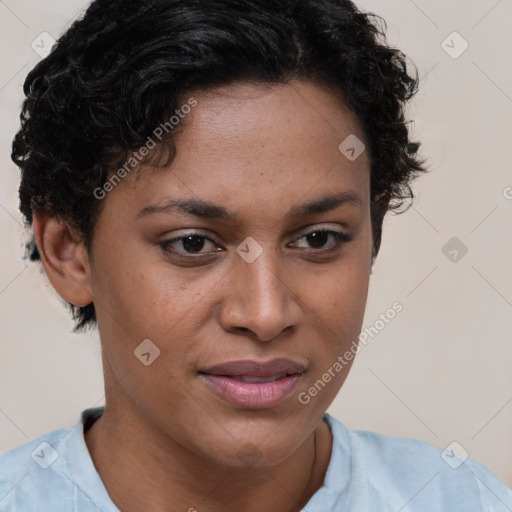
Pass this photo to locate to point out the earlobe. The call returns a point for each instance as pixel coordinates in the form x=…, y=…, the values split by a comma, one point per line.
x=64, y=258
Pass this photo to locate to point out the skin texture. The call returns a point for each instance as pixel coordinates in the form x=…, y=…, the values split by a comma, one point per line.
x=259, y=151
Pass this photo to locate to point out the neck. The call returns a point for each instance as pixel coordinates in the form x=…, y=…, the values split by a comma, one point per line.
x=162, y=475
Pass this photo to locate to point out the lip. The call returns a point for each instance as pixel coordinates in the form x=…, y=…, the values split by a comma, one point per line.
x=224, y=379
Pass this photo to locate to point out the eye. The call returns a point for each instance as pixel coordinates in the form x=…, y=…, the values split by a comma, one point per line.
x=319, y=238
x=186, y=245
x=194, y=243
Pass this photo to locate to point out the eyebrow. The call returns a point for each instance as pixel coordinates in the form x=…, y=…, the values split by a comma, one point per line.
x=206, y=210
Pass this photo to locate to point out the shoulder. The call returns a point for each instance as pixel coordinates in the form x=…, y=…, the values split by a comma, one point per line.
x=39, y=452
x=53, y=472
x=31, y=468
x=403, y=470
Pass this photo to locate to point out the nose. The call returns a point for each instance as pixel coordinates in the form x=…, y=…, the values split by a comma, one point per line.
x=260, y=300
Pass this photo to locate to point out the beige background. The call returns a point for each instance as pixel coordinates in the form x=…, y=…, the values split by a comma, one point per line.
x=441, y=370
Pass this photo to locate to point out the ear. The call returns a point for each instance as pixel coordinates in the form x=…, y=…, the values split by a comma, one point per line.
x=64, y=258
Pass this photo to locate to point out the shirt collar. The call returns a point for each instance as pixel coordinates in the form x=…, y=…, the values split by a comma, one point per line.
x=81, y=471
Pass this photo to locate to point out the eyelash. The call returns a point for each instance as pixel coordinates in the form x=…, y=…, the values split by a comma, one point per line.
x=340, y=240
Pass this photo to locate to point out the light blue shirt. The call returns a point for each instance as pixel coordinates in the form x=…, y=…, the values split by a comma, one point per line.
x=368, y=472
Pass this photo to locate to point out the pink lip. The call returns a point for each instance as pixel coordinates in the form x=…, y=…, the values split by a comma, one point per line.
x=254, y=395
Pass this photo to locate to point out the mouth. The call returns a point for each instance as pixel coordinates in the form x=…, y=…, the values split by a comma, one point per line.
x=253, y=384
x=258, y=380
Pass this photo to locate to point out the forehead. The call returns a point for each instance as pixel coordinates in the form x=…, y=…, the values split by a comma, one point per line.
x=265, y=117
x=258, y=143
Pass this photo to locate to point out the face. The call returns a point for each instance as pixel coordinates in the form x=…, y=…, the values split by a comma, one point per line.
x=254, y=276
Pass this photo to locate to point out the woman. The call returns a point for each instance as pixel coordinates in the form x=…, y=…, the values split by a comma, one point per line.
x=206, y=182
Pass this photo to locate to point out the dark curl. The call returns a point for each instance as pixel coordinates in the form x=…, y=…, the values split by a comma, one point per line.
x=121, y=70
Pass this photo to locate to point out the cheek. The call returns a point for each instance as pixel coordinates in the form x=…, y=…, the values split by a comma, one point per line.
x=149, y=300
x=339, y=295
x=345, y=301
x=336, y=319
x=137, y=294
x=338, y=305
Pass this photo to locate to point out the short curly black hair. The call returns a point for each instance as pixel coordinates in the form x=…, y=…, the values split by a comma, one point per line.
x=120, y=71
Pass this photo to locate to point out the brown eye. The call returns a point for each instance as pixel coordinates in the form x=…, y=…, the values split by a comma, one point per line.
x=190, y=244
x=193, y=243
x=319, y=238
